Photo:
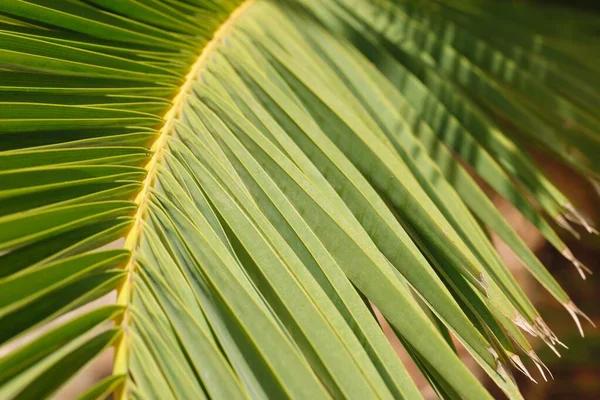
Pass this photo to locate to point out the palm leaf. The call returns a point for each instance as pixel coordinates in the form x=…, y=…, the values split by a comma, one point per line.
x=278, y=169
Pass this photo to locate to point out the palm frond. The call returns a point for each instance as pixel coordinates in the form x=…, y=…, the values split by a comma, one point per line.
x=280, y=172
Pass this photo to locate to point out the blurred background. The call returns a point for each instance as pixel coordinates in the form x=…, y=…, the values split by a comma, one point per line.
x=577, y=372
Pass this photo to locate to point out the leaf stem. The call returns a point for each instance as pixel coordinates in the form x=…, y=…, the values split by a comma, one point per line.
x=132, y=239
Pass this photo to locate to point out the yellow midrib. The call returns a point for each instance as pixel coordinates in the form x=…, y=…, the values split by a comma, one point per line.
x=132, y=239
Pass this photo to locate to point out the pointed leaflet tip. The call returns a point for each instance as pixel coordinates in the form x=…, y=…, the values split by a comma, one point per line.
x=526, y=326
x=544, y=330
x=521, y=367
x=547, y=335
x=549, y=344
x=539, y=364
x=542, y=326
x=563, y=223
x=541, y=371
x=577, y=217
x=574, y=311
x=561, y=343
x=500, y=368
x=582, y=269
x=574, y=316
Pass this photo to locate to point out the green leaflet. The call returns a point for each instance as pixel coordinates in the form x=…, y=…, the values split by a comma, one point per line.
x=29, y=355
x=79, y=17
x=326, y=235
x=299, y=307
x=34, y=158
x=30, y=83
x=18, y=229
x=277, y=169
x=469, y=70
x=445, y=107
x=75, y=241
x=17, y=117
x=422, y=175
x=53, y=371
x=103, y=388
x=315, y=255
x=270, y=336
x=400, y=133
x=30, y=285
x=65, y=299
